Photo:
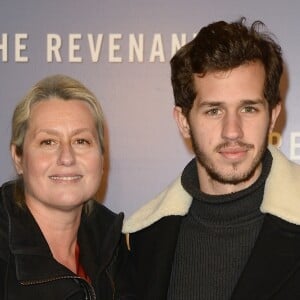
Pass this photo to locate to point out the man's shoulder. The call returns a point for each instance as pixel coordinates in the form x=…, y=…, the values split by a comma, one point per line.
x=173, y=201
x=159, y=236
x=282, y=163
x=282, y=189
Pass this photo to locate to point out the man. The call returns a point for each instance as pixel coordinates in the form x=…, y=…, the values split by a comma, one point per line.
x=229, y=227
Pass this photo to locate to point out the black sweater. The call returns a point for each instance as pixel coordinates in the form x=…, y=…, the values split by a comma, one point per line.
x=216, y=238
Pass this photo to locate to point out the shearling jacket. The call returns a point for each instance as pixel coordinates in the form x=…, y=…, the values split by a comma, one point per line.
x=29, y=271
x=273, y=269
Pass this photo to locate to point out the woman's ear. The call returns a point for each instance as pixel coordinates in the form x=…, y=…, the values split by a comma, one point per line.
x=17, y=159
x=182, y=122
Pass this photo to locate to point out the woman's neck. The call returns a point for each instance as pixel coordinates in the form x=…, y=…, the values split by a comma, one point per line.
x=60, y=231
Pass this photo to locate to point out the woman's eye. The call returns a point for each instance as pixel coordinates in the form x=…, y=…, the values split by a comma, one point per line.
x=82, y=142
x=48, y=142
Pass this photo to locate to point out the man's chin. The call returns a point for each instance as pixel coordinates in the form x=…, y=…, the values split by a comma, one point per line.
x=232, y=178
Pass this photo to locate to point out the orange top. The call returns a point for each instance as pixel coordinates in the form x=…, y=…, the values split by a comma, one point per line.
x=79, y=268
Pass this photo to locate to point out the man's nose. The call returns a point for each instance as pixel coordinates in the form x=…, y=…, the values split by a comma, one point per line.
x=232, y=127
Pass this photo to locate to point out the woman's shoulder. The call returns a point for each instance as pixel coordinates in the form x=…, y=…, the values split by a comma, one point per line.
x=99, y=213
x=4, y=249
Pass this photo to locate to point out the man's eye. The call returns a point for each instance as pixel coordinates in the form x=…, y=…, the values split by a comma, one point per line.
x=249, y=109
x=213, y=112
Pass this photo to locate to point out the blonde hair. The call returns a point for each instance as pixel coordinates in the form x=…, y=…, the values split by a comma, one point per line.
x=56, y=86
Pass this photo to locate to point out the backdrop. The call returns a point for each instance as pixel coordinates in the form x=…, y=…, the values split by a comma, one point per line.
x=121, y=50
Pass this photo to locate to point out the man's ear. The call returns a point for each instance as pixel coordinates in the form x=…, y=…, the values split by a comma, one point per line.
x=274, y=115
x=17, y=159
x=182, y=122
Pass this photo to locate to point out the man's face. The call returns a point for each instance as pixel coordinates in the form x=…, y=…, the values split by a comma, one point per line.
x=228, y=126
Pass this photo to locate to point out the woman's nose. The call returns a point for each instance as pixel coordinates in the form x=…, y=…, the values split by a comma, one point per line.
x=66, y=155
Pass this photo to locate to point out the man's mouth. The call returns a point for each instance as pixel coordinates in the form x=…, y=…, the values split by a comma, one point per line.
x=234, y=151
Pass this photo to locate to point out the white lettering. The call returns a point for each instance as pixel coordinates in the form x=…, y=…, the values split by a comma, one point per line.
x=3, y=47
x=53, y=46
x=73, y=47
x=19, y=47
x=176, y=44
x=113, y=48
x=136, y=48
x=95, y=47
x=295, y=146
x=157, y=50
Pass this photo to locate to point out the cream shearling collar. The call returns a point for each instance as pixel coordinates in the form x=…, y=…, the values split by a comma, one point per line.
x=281, y=198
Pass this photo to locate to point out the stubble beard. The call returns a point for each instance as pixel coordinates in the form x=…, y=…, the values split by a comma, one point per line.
x=234, y=177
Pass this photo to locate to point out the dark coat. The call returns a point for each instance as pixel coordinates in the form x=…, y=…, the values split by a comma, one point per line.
x=272, y=272
x=273, y=268
x=29, y=271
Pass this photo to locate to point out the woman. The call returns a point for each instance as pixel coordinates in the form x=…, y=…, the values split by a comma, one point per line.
x=55, y=242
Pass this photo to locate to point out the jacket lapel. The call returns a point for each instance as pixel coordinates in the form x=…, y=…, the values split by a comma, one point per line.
x=156, y=247
x=274, y=259
x=33, y=258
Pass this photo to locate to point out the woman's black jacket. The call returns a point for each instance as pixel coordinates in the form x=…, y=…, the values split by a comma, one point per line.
x=29, y=271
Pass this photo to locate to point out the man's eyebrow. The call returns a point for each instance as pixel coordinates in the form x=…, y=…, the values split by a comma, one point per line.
x=242, y=102
x=210, y=103
x=254, y=101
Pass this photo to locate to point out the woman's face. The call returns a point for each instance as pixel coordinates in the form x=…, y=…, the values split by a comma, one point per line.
x=61, y=162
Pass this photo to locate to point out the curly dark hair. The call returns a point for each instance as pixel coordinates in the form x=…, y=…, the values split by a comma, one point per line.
x=222, y=46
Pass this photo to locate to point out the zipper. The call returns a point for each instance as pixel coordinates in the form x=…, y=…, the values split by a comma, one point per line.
x=112, y=283
x=89, y=290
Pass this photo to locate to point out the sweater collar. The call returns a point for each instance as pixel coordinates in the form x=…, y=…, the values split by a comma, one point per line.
x=190, y=182
x=281, y=197
x=228, y=209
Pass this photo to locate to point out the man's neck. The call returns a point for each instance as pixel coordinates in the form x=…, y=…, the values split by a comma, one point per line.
x=212, y=186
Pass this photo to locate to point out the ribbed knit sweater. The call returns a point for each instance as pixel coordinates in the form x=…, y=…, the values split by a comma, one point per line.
x=216, y=238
